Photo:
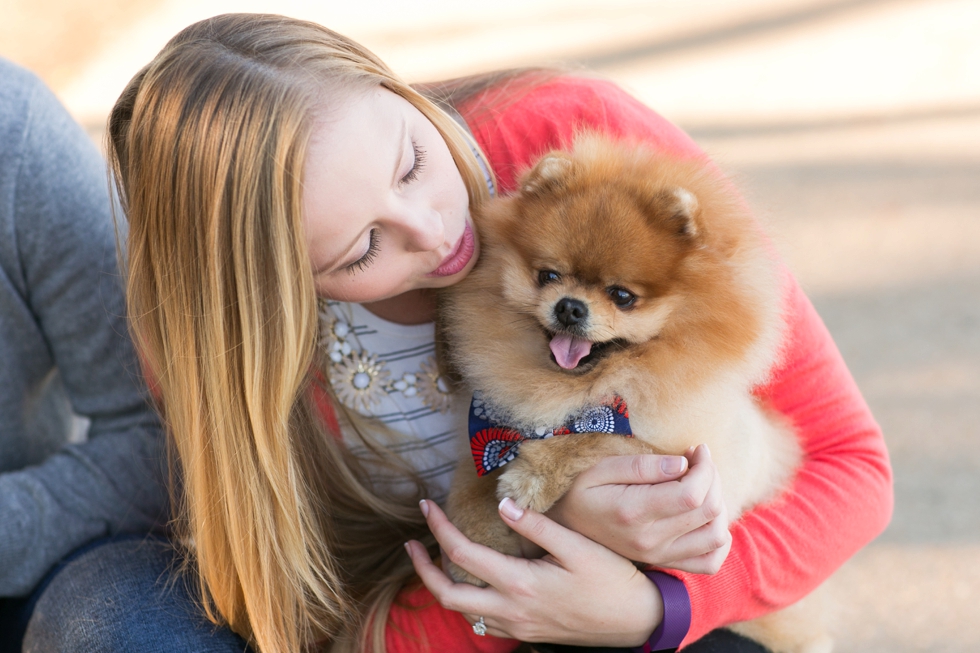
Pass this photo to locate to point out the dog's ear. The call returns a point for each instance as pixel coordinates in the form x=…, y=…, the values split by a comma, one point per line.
x=548, y=173
x=680, y=209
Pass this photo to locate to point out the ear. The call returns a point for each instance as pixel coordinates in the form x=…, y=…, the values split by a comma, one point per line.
x=549, y=172
x=681, y=209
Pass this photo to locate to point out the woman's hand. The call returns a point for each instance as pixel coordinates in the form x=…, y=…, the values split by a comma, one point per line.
x=666, y=511
x=580, y=593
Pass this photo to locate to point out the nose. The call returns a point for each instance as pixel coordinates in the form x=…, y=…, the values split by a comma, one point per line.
x=571, y=312
x=424, y=229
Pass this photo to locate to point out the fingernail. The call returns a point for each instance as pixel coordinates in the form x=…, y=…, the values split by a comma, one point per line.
x=510, y=510
x=672, y=464
x=424, y=505
x=408, y=549
x=707, y=450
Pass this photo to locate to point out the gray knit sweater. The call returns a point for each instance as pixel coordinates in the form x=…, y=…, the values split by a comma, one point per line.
x=63, y=348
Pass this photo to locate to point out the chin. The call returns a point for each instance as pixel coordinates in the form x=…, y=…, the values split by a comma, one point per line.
x=617, y=274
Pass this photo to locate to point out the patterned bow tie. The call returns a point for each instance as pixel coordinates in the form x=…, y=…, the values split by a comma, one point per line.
x=494, y=444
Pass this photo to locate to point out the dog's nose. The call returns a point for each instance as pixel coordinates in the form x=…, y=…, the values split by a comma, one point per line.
x=570, y=311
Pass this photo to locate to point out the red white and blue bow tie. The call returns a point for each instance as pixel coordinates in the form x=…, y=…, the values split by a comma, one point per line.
x=494, y=444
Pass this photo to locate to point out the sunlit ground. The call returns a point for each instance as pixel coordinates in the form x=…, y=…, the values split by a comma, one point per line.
x=854, y=128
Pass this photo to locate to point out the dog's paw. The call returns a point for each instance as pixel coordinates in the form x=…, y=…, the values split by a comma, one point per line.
x=460, y=575
x=522, y=483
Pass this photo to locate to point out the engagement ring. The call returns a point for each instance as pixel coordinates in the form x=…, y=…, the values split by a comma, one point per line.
x=480, y=628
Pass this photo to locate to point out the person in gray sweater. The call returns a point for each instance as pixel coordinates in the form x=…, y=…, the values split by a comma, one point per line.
x=85, y=564
x=64, y=352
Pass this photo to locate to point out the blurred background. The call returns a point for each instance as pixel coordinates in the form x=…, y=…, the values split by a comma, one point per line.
x=853, y=127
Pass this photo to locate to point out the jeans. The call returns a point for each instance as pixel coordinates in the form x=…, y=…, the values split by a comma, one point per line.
x=118, y=595
x=123, y=594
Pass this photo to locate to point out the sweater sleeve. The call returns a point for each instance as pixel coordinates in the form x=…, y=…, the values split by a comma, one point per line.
x=64, y=316
x=841, y=497
x=839, y=500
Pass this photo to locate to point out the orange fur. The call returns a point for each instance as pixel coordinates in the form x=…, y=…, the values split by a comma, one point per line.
x=702, y=330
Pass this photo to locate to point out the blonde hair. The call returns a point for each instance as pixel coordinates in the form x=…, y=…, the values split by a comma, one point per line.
x=207, y=145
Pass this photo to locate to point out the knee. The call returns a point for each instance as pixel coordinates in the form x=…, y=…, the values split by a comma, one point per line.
x=122, y=596
x=90, y=604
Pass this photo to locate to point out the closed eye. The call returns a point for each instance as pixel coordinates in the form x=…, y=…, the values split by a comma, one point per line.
x=369, y=255
x=418, y=164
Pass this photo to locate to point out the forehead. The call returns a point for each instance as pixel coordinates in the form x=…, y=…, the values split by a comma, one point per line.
x=354, y=148
x=598, y=234
x=348, y=144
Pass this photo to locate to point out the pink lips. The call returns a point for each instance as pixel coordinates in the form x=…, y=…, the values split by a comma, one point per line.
x=459, y=257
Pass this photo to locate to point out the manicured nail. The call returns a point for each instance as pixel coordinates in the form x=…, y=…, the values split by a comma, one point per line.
x=672, y=464
x=707, y=450
x=408, y=549
x=510, y=510
x=424, y=505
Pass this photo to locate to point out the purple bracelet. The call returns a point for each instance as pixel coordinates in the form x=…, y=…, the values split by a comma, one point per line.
x=677, y=614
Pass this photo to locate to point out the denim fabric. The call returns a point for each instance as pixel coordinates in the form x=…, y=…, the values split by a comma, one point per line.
x=123, y=595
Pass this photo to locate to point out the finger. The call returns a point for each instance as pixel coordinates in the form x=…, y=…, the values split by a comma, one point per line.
x=707, y=563
x=710, y=508
x=650, y=501
x=635, y=470
x=461, y=597
x=566, y=546
x=668, y=498
x=473, y=602
x=689, y=492
x=700, y=541
x=483, y=562
x=490, y=623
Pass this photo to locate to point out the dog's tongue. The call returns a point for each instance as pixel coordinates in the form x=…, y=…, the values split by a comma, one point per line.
x=569, y=350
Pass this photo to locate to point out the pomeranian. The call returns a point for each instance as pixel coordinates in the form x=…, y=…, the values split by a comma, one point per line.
x=625, y=302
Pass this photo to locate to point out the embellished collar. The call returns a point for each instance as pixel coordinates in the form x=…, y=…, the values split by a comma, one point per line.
x=494, y=444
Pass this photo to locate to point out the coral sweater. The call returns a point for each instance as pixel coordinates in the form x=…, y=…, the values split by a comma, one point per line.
x=840, y=499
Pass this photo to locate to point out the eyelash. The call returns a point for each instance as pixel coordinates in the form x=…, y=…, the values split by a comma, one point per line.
x=417, y=165
x=369, y=255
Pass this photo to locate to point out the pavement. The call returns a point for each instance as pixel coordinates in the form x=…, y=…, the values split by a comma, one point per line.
x=853, y=127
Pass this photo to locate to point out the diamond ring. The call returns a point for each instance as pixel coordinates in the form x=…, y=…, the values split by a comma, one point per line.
x=480, y=628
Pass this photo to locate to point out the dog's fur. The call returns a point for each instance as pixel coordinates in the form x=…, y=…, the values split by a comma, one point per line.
x=701, y=332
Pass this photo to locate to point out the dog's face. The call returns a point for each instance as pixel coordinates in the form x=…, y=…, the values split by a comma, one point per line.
x=595, y=257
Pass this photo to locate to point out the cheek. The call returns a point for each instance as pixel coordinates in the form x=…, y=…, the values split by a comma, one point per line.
x=456, y=196
x=381, y=282
x=643, y=324
x=515, y=285
x=451, y=187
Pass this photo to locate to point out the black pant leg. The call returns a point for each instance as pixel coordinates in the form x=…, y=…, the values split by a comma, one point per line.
x=717, y=641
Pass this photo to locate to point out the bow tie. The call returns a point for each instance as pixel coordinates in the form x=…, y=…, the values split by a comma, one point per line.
x=494, y=444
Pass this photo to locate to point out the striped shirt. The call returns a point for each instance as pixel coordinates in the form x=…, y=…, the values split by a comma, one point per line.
x=402, y=393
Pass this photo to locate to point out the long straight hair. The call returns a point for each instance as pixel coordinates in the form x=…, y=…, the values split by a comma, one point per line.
x=290, y=545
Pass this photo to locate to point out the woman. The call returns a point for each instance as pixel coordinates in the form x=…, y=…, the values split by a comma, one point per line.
x=265, y=162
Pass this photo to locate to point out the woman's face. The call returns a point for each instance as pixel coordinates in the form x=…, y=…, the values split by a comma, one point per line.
x=385, y=208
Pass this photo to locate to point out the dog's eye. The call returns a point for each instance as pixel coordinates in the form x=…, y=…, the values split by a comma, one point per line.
x=621, y=297
x=547, y=276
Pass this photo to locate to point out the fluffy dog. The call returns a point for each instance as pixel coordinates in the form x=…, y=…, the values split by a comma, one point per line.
x=618, y=286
